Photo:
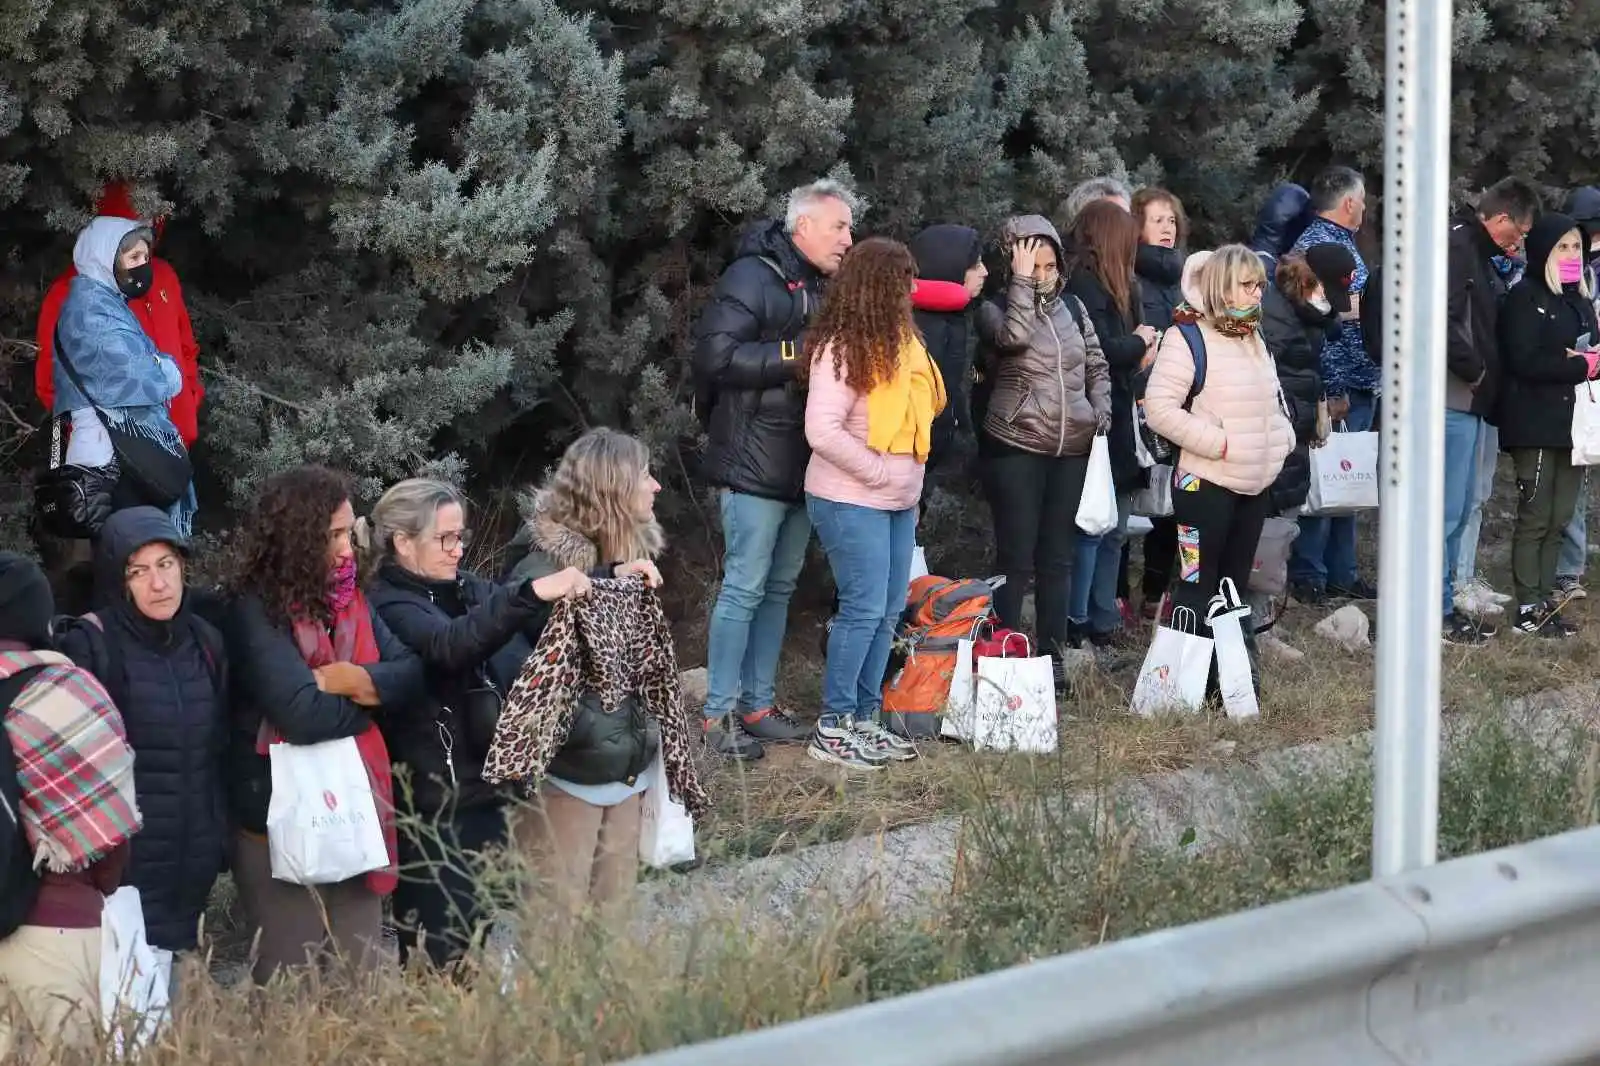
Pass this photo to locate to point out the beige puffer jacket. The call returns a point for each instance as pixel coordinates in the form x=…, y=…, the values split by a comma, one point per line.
x=1240, y=409
x=1051, y=385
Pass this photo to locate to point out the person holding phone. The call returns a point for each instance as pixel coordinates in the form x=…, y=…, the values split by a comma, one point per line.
x=1546, y=331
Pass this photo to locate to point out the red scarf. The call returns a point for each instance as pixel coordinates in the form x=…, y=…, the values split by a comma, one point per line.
x=353, y=641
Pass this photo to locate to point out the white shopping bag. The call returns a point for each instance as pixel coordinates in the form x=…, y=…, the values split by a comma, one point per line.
x=1344, y=475
x=1155, y=499
x=1139, y=526
x=1014, y=705
x=322, y=822
x=1176, y=668
x=1269, y=573
x=956, y=722
x=919, y=563
x=1586, y=426
x=135, y=978
x=1226, y=616
x=1097, y=507
x=666, y=832
x=1141, y=451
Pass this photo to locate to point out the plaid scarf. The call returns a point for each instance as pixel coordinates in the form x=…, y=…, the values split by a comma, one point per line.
x=74, y=765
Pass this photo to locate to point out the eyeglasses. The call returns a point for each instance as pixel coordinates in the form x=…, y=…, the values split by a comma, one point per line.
x=1251, y=286
x=452, y=541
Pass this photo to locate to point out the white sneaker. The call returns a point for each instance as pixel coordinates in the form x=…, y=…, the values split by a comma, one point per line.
x=1489, y=593
x=1270, y=644
x=891, y=746
x=1478, y=600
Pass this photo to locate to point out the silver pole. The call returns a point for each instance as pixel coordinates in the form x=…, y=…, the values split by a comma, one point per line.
x=1405, y=826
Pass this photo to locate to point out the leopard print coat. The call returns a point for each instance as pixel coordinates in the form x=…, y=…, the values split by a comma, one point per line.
x=614, y=642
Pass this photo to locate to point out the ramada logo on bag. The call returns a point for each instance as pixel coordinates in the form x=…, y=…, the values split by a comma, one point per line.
x=1346, y=465
x=330, y=800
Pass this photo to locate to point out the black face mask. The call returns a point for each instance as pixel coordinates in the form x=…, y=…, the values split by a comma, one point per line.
x=138, y=281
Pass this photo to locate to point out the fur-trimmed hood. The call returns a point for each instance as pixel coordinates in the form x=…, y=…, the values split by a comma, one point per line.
x=565, y=546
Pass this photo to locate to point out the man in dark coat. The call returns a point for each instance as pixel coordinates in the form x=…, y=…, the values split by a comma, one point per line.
x=747, y=352
x=950, y=275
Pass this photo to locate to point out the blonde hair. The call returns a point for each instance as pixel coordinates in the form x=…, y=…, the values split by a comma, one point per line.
x=593, y=491
x=1552, y=271
x=1229, y=267
x=409, y=507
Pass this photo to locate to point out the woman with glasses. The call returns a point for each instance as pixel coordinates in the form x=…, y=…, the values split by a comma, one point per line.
x=472, y=637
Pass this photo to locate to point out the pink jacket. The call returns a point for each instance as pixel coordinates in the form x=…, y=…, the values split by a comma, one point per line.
x=1240, y=408
x=843, y=469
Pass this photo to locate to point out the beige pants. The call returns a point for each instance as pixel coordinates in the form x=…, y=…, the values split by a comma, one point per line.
x=582, y=853
x=300, y=923
x=49, y=979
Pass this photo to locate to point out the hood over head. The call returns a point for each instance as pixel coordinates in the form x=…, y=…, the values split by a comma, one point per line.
x=116, y=201
x=95, y=253
x=1191, y=279
x=1282, y=218
x=1023, y=226
x=1583, y=204
x=1545, y=235
x=124, y=533
x=26, y=602
x=946, y=252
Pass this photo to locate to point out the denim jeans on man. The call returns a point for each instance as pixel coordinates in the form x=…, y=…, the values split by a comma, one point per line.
x=869, y=552
x=1325, y=551
x=1079, y=600
x=1487, y=463
x=1575, y=538
x=764, y=549
x=1463, y=433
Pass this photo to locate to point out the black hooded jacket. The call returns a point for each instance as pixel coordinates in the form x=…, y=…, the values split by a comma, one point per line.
x=1295, y=333
x=1282, y=218
x=169, y=680
x=1472, y=337
x=946, y=253
x=1160, y=274
x=746, y=353
x=472, y=637
x=1537, y=327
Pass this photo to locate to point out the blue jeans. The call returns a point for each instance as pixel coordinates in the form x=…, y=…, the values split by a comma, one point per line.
x=1462, y=435
x=870, y=554
x=764, y=549
x=1104, y=617
x=1488, y=462
x=1085, y=553
x=1325, y=551
x=1575, y=538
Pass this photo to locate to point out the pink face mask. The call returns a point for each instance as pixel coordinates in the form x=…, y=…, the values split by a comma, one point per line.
x=1570, y=271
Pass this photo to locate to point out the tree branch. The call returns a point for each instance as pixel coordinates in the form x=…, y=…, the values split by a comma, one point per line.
x=218, y=372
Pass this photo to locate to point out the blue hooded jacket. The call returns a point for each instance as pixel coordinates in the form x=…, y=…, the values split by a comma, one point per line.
x=1281, y=220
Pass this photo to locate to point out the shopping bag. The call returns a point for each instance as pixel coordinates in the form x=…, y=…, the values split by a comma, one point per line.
x=919, y=563
x=322, y=822
x=666, y=831
x=1226, y=615
x=1269, y=573
x=135, y=978
x=1141, y=450
x=1586, y=426
x=1176, y=668
x=1014, y=705
x=1139, y=526
x=1155, y=499
x=1097, y=507
x=1344, y=475
x=956, y=722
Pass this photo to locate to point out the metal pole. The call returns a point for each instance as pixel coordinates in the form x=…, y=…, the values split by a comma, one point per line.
x=1405, y=826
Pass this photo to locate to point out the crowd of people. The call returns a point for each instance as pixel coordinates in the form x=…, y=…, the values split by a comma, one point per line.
x=830, y=377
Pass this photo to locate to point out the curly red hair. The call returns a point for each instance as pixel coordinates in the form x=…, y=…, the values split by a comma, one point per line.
x=866, y=316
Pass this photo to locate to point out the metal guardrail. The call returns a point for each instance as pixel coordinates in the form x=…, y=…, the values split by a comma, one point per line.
x=1490, y=960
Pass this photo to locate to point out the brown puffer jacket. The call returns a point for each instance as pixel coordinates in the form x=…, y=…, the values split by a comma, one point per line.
x=1052, y=389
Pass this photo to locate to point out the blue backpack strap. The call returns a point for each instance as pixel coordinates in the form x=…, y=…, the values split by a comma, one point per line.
x=1197, y=351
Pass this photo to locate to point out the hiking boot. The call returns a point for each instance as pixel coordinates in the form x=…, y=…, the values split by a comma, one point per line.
x=841, y=745
x=891, y=746
x=1355, y=589
x=1309, y=593
x=774, y=725
x=1570, y=588
x=1477, y=600
x=726, y=737
x=1462, y=632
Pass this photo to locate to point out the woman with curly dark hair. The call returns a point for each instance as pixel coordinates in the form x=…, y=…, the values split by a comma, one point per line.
x=874, y=393
x=313, y=663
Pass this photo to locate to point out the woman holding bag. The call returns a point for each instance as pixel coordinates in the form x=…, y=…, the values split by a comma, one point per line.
x=313, y=663
x=1544, y=318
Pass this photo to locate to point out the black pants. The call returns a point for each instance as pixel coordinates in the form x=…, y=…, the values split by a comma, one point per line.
x=1034, y=500
x=1160, y=547
x=438, y=900
x=1218, y=532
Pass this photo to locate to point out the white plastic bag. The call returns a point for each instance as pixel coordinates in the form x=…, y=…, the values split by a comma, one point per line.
x=666, y=832
x=1344, y=475
x=1586, y=426
x=1155, y=499
x=956, y=722
x=919, y=563
x=1097, y=507
x=1269, y=573
x=1176, y=668
x=135, y=978
x=1226, y=616
x=322, y=823
x=1014, y=705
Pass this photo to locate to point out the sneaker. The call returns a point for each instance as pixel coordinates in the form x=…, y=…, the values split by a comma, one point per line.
x=891, y=746
x=1355, y=589
x=726, y=737
x=1462, y=632
x=841, y=745
x=773, y=725
x=1477, y=600
x=1273, y=646
x=1309, y=594
x=1570, y=588
x=1555, y=620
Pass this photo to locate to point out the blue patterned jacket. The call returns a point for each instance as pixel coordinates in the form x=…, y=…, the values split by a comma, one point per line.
x=1345, y=363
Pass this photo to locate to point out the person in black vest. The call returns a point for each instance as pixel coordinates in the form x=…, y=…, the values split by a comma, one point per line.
x=747, y=352
x=472, y=637
x=166, y=670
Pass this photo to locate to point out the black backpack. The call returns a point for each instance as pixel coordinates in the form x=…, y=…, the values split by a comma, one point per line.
x=19, y=883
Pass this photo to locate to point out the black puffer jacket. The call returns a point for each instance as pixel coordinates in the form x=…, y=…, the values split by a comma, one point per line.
x=1160, y=274
x=946, y=253
x=1295, y=334
x=1472, y=335
x=746, y=352
x=169, y=680
x=472, y=637
x=1537, y=327
x=1124, y=350
x=1284, y=215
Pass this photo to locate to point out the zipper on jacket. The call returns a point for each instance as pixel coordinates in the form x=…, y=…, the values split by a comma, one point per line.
x=1061, y=383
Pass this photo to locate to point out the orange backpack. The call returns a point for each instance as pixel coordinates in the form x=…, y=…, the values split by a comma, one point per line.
x=939, y=614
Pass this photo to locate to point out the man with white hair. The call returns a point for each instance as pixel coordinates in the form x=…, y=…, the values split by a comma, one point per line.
x=1087, y=192
x=746, y=355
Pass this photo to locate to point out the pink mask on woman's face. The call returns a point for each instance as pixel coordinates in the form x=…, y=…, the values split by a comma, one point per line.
x=1570, y=271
